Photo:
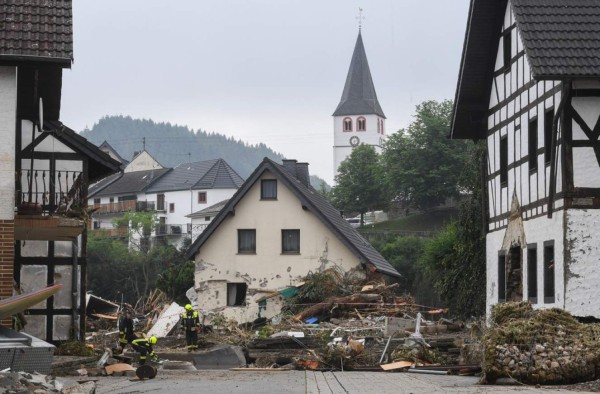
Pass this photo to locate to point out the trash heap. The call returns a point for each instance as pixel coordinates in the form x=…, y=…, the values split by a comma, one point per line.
x=22, y=382
x=539, y=346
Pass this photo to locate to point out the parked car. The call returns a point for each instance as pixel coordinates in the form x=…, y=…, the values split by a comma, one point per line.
x=354, y=222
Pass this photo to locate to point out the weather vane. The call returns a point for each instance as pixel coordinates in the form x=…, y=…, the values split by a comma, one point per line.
x=360, y=18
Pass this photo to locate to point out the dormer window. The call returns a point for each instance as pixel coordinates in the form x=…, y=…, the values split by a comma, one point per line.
x=268, y=189
x=347, y=124
x=361, y=124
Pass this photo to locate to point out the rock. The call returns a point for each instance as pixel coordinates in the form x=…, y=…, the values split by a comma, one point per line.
x=84, y=388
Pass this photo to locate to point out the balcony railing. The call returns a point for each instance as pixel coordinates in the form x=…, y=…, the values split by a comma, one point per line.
x=45, y=192
x=118, y=232
x=173, y=229
x=125, y=206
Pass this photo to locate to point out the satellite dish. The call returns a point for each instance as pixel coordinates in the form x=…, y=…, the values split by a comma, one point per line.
x=41, y=115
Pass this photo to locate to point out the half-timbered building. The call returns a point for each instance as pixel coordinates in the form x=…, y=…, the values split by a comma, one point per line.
x=45, y=169
x=529, y=85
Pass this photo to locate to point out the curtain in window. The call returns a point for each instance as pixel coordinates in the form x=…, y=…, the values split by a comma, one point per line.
x=247, y=240
x=269, y=189
x=291, y=241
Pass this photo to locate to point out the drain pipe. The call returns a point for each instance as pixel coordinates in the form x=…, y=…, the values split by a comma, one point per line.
x=74, y=283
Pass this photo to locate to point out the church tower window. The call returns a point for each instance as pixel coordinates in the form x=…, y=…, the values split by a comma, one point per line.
x=361, y=124
x=347, y=124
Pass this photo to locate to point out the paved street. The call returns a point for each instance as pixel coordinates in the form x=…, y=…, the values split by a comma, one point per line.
x=181, y=382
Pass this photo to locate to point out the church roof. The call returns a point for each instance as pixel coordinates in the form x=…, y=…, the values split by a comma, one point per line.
x=359, y=97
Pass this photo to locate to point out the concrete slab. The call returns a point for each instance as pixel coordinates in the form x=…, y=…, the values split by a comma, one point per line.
x=222, y=357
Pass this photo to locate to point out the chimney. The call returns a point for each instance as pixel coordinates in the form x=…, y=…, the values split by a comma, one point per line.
x=302, y=173
x=290, y=166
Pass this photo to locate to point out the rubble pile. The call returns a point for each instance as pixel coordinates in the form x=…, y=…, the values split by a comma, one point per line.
x=22, y=382
x=539, y=347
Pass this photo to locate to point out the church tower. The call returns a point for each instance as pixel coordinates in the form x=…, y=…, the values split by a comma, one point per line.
x=358, y=118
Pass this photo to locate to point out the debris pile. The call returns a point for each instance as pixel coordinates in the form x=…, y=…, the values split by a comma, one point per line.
x=19, y=382
x=539, y=346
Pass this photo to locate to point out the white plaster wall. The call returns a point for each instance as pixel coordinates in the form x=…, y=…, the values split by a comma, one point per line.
x=218, y=262
x=537, y=231
x=341, y=138
x=142, y=162
x=583, y=266
x=8, y=108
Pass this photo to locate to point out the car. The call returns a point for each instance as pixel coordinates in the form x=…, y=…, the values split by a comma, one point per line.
x=354, y=222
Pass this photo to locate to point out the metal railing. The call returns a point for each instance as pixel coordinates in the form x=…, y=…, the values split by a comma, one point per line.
x=45, y=191
x=173, y=229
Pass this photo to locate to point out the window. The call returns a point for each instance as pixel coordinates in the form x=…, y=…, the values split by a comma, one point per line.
x=111, y=199
x=96, y=225
x=533, y=144
x=549, y=272
x=378, y=125
x=246, y=241
x=207, y=218
x=236, y=294
x=160, y=202
x=532, y=273
x=548, y=118
x=503, y=161
x=290, y=241
x=501, y=277
x=361, y=124
x=201, y=197
x=96, y=201
x=507, y=49
x=268, y=189
x=128, y=198
x=347, y=124
x=171, y=207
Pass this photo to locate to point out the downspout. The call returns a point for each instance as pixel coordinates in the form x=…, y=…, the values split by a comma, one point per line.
x=74, y=286
x=566, y=91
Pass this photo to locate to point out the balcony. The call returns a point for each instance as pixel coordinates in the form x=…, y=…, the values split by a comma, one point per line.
x=119, y=232
x=50, y=205
x=124, y=206
x=173, y=229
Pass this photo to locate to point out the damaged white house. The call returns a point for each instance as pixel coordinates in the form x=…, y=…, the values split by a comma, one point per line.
x=274, y=231
x=529, y=85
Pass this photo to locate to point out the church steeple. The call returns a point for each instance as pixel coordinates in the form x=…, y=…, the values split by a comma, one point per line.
x=359, y=96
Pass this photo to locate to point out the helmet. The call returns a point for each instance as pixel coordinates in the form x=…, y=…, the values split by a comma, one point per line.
x=188, y=307
x=152, y=340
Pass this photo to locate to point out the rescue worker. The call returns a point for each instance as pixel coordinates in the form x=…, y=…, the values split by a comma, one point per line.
x=144, y=347
x=190, y=323
x=126, y=334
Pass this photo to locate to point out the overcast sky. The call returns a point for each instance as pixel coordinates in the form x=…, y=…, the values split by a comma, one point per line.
x=268, y=71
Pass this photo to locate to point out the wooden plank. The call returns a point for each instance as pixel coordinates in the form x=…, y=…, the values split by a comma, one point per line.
x=15, y=304
x=396, y=365
x=121, y=367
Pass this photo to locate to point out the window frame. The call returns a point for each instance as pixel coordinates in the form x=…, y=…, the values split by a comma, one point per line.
x=239, y=300
x=202, y=198
x=532, y=276
x=97, y=201
x=504, y=161
x=533, y=144
x=549, y=273
x=501, y=276
x=363, y=120
x=251, y=250
x=548, y=120
x=263, y=182
x=347, y=121
x=171, y=207
x=285, y=232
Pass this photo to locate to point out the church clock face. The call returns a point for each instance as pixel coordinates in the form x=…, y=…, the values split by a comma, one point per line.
x=354, y=141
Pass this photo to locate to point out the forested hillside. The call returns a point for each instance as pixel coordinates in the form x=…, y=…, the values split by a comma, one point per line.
x=173, y=144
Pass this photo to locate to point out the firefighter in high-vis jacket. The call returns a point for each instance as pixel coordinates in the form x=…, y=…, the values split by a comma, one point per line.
x=190, y=323
x=144, y=347
x=126, y=334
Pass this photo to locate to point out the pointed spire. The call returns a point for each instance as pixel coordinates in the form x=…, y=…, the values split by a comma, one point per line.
x=359, y=96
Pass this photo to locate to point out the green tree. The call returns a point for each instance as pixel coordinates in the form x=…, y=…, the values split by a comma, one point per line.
x=177, y=280
x=455, y=260
x=359, y=183
x=422, y=165
x=140, y=226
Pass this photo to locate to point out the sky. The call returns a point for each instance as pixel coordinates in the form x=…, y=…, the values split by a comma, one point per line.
x=269, y=71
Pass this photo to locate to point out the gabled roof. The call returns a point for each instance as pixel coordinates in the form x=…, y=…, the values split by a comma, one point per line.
x=130, y=183
x=561, y=41
x=108, y=149
x=100, y=164
x=315, y=203
x=36, y=30
x=359, y=97
x=215, y=208
x=209, y=174
x=561, y=37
